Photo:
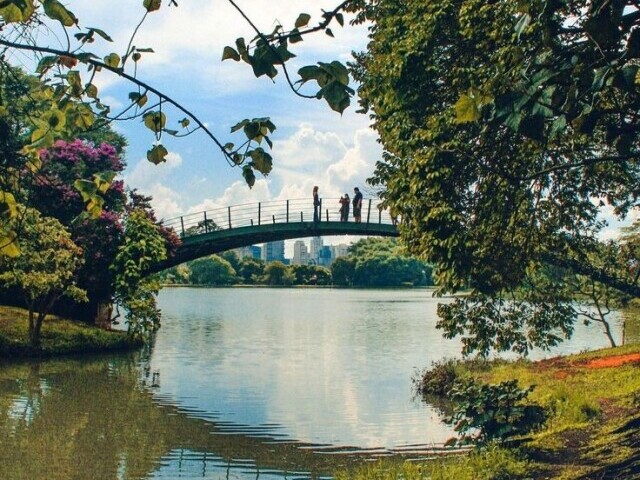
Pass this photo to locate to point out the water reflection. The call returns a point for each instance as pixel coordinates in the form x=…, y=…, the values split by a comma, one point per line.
x=96, y=418
x=242, y=384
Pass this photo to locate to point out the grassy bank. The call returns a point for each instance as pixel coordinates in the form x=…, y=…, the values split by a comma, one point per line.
x=592, y=431
x=59, y=337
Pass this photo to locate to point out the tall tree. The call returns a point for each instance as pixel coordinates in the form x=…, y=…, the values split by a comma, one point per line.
x=508, y=127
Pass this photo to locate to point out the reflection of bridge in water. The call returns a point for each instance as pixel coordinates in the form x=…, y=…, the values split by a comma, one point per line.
x=221, y=229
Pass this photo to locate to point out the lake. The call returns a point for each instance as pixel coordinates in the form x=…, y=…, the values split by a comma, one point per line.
x=240, y=383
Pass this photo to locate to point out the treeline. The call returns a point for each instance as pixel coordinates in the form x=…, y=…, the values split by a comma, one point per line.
x=371, y=262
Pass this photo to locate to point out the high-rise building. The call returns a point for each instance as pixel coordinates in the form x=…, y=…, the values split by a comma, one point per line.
x=252, y=251
x=273, y=251
x=316, y=246
x=341, y=250
x=300, y=253
x=325, y=256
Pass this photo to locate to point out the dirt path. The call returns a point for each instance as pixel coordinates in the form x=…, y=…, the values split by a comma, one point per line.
x=615, y=361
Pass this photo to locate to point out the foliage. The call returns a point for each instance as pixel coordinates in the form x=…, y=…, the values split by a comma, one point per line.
x=492, y=463
x=381, y=263
x=251, y=270
x=439, y=379
x=277, y=273
x=143, y=246
x=508, y=127
x=46, y=268
x=343, y=271
x=311, y=275
x=59, y=336
x=484, y=413
x=212, y=270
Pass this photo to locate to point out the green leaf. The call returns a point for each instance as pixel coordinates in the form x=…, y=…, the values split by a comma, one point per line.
x=249, y=176
x=230, y=52
x=340, y=18
x=102, y=33
x=56, y=11
x=466, y=110
x=337, y=95
x=84, y=117
x=239, y=125
x=46, y=62
x=54, y=119
x=625, y=79
x=112, y=60
x=91, y=90
x=155, y=121
x=103, y=181
x=152, y=5
x=302, y=20
x=261, y=161
x=294, y=36
x=184, y=123
x=329, y=32
x=8, y=206
x=137, y=98
x=157, y=154
x=17, y=10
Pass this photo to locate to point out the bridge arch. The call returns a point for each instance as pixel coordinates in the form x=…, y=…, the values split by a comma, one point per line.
x=226, y=228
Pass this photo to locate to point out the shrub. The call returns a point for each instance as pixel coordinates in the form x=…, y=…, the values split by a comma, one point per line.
x=484, y=412
x=439, y=379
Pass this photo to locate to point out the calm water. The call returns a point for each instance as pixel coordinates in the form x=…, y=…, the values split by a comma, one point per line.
x=240, y=383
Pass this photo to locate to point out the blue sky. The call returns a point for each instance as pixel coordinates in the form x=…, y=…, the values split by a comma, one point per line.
x=312, y=144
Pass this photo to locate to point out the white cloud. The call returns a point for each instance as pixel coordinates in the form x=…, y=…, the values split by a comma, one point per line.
x=150, y=179
x=310, y=149
x=145, y=173
x=237, y=194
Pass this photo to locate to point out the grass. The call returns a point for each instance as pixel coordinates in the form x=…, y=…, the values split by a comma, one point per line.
x=59, y=337
x=592, y=431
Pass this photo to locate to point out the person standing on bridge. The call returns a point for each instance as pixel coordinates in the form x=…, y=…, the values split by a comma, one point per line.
x=316, y=205
x=357, y=205
x=345, y=203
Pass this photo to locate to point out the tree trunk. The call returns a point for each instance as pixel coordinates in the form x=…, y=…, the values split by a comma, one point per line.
x=104, y=311
x=34, y=335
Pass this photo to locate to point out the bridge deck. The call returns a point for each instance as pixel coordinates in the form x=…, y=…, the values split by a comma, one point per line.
x=221, y=229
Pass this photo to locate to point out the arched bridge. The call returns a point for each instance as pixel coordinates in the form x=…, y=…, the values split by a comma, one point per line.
x=221, y=229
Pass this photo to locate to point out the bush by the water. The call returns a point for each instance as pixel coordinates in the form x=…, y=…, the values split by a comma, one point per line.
x=485, y=412
x=438, y=379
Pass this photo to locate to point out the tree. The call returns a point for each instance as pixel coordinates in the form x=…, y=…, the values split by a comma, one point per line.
x=251, y=270
x=212, y=270
x=135, y=291
x=507, y=128
x=45, y=270
x=342, y=271
x=277, y=273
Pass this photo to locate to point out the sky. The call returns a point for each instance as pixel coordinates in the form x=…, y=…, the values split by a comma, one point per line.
x=312, y=144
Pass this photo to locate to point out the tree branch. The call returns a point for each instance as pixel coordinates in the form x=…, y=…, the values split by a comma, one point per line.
x=126, y=76
x=593, y=273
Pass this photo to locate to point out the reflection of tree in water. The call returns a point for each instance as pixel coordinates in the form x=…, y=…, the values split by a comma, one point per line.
x=98, y=417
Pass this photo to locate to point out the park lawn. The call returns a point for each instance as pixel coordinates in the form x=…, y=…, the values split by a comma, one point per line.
x=592, y=430
x=59, y=336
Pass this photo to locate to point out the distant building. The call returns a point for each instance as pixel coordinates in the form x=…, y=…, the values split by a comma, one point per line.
x=325, y=256
x=252, y=251
x=273, y=251
x=300, y=253
x=341, y=250
x=314, y=251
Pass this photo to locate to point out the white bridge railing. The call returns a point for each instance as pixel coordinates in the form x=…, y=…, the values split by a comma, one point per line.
x=273, y=212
